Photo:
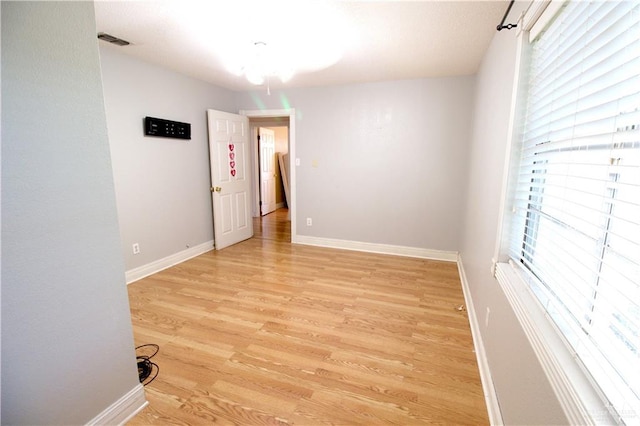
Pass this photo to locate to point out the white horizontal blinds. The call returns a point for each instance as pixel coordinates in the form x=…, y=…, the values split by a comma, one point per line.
x=576, y=224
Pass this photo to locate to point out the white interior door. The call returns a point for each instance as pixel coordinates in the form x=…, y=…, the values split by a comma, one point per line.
x=267, y=147
x=230, y=181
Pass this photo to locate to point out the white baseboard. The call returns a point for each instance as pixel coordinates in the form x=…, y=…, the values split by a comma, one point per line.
x=280, y=205
x=167, y=262
x=491, y=399
x=449, y=256
x=123, y=409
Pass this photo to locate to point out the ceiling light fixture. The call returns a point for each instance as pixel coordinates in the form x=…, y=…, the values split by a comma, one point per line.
x=263, y=63
x=277, y=40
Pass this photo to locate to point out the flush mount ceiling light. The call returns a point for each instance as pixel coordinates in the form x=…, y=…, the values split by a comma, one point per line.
x=287, y=38
x=272, y=41
x=260, y=63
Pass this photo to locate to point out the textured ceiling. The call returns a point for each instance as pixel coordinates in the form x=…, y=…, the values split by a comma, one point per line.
x=386, y=40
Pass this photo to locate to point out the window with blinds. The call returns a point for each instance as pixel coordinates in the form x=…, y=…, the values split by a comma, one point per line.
x=576, y=222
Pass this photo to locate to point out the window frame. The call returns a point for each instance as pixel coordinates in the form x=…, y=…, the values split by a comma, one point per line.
x=578, y=395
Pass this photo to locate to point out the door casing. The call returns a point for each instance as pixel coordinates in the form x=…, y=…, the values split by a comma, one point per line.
x=279, y=113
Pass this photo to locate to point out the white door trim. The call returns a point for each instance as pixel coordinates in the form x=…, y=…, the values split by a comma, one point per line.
x=291, y=113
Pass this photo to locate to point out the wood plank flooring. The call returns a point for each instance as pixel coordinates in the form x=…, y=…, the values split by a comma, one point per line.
x=268, y=332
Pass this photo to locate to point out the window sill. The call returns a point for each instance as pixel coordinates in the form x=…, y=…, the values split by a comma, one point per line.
x=577, y=396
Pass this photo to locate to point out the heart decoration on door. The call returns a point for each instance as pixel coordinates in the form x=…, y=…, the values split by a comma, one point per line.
x=232, y=163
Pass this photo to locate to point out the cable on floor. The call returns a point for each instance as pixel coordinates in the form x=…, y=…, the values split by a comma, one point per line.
x=146, y=367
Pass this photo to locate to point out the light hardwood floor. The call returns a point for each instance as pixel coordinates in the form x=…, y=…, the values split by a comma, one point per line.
x=267, y=332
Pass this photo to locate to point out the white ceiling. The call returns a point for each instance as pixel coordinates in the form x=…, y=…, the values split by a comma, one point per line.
x=388, y=40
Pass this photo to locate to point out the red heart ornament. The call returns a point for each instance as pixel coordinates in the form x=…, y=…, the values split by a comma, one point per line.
x=233, y=172
x=231, y=147
x=232, y=155
x=232, y=164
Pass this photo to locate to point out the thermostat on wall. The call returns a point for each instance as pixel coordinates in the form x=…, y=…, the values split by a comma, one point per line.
x=166, y=128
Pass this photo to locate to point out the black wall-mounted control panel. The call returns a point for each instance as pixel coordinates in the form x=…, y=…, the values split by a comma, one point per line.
x=166, y=128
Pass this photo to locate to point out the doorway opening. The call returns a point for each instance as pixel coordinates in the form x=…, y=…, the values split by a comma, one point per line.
x=273, y=155
x=283, y=219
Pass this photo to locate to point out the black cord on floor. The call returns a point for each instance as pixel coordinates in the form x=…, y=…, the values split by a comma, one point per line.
x=146, y=366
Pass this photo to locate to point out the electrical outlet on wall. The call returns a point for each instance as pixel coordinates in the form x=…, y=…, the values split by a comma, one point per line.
x=309, y=221
x=136, y=248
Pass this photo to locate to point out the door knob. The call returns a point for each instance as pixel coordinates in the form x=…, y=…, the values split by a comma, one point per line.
x=215, y=189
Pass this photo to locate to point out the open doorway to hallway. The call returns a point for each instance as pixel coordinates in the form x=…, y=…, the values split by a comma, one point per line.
x=284, y=216
x=273, y=159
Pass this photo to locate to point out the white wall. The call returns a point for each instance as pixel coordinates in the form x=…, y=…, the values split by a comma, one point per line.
x=67, y=345
x=162, y=185
x=523, y=391
x=390, y=158
x=380, y=163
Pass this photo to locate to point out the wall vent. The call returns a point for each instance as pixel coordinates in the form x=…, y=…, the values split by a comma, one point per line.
x=112, y=39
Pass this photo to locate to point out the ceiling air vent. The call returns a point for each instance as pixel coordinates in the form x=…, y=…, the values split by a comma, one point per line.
x=112, y=39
